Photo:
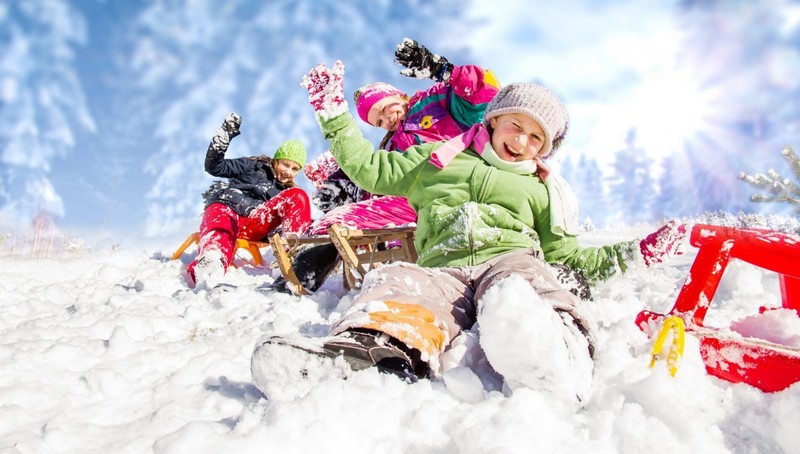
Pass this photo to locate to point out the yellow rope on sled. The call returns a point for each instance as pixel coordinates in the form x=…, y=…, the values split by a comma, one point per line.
x=676, y=326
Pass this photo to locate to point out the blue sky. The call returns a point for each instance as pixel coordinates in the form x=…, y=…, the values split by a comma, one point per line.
x=108, y=106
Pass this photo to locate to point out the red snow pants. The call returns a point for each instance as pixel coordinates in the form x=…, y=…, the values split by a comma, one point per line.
x=221, y=226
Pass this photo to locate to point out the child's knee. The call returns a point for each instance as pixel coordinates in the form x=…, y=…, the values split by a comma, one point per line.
x=297, y=195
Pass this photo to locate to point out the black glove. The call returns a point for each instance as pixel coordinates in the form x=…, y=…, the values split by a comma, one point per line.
x=224, y=134
x=231, y=124
x=335, y=193
x=420, y=63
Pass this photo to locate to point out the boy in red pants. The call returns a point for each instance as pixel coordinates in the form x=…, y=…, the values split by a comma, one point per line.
x=259, y=196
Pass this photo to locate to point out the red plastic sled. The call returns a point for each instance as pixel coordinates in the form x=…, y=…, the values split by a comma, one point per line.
x=767, y=366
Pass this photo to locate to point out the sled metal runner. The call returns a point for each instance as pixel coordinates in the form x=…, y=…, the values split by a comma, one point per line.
x=767, y=366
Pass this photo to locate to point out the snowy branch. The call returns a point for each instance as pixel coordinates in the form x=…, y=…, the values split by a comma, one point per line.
x=777, y=189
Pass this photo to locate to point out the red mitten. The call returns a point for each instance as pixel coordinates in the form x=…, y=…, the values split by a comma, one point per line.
x=326, y=90
x=318, y=170
x=664, y=243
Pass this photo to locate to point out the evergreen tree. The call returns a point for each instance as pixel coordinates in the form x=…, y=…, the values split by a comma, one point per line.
x=676, y=190
x=666, y=189
x=631, y=185
x=586, y=180
x=42, y=104
x=596, y=202
x=250, y=58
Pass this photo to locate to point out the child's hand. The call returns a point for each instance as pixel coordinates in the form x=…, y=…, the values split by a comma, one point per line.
x=335, y=193
x=226, y=132
x=420, y=63
x=664, y=243
x=231, y=124
x=326, y=90
x=319, y=169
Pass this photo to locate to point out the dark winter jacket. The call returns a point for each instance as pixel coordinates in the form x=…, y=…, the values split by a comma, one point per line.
x=251, y=181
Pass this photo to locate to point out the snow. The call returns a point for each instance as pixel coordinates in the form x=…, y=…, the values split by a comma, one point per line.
x=110, y=351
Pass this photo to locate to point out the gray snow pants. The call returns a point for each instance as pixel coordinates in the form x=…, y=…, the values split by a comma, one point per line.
x=425, y=308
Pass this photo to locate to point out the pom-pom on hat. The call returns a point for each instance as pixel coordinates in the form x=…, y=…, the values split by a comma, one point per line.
x=293, y=150
x=537, y=102
x=366, y=96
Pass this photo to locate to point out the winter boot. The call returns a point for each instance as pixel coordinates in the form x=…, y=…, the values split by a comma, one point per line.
x=284, y=368
x=312, y=265
x=534, y=346
x=208, y=270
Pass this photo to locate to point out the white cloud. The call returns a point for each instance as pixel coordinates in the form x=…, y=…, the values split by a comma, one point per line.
x=600, y=57
x=45, y=194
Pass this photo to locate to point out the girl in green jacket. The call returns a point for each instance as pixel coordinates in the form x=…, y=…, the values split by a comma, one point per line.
x=484, y=216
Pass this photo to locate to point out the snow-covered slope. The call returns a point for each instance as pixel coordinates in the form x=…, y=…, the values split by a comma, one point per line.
x=111, y=351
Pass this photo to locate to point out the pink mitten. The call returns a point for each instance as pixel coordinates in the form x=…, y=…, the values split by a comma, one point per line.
x=318, y=170
x=664, y=243
x=326, y=90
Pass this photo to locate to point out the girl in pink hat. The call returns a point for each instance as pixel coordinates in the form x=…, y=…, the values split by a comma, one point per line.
x=448, y=108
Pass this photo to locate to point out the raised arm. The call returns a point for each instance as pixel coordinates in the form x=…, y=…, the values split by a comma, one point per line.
x=216, y=164
x=420, y=63
x=377, y=171
x=472, y=85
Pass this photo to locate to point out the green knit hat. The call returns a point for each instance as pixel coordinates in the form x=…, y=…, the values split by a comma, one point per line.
x=293, y=150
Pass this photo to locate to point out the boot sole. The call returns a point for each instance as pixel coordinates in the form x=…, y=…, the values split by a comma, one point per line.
x=287, y=369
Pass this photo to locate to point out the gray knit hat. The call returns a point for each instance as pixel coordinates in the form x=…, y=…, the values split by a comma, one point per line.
x=537, y=102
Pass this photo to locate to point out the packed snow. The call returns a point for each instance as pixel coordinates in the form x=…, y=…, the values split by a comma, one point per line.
x=107, y=349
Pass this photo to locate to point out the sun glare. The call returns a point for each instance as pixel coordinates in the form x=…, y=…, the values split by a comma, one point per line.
x=669, y=109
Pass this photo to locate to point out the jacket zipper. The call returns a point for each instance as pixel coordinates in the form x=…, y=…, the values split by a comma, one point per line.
x=480, y=196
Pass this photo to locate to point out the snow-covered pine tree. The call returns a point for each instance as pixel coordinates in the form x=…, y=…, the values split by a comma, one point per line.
x=586, y=180
x=631, y=185
x=198, y=63
x=677, y=189
x=42, y=103
x=777, y=189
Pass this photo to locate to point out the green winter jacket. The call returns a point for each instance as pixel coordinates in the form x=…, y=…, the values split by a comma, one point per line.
x=470, y=211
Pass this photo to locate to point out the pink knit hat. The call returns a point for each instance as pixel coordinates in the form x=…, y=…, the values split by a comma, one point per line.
x=368, y=95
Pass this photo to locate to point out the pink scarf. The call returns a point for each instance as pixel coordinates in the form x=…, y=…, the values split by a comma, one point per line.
x=479, y=138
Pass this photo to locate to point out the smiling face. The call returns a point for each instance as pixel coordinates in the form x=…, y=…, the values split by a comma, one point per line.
x=285, y=170
x=516, y=137
x=388, y=112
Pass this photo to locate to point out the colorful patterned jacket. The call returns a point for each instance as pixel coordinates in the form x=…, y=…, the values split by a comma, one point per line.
x=446, y=110
x=441, y=112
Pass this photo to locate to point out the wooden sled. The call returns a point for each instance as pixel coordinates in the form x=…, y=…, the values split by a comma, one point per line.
x=361, y=250
x=765, y=365
x=253, y=247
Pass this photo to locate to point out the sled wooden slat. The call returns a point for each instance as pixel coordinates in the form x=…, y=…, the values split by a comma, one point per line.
x=360, y=250
x=285, y=262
